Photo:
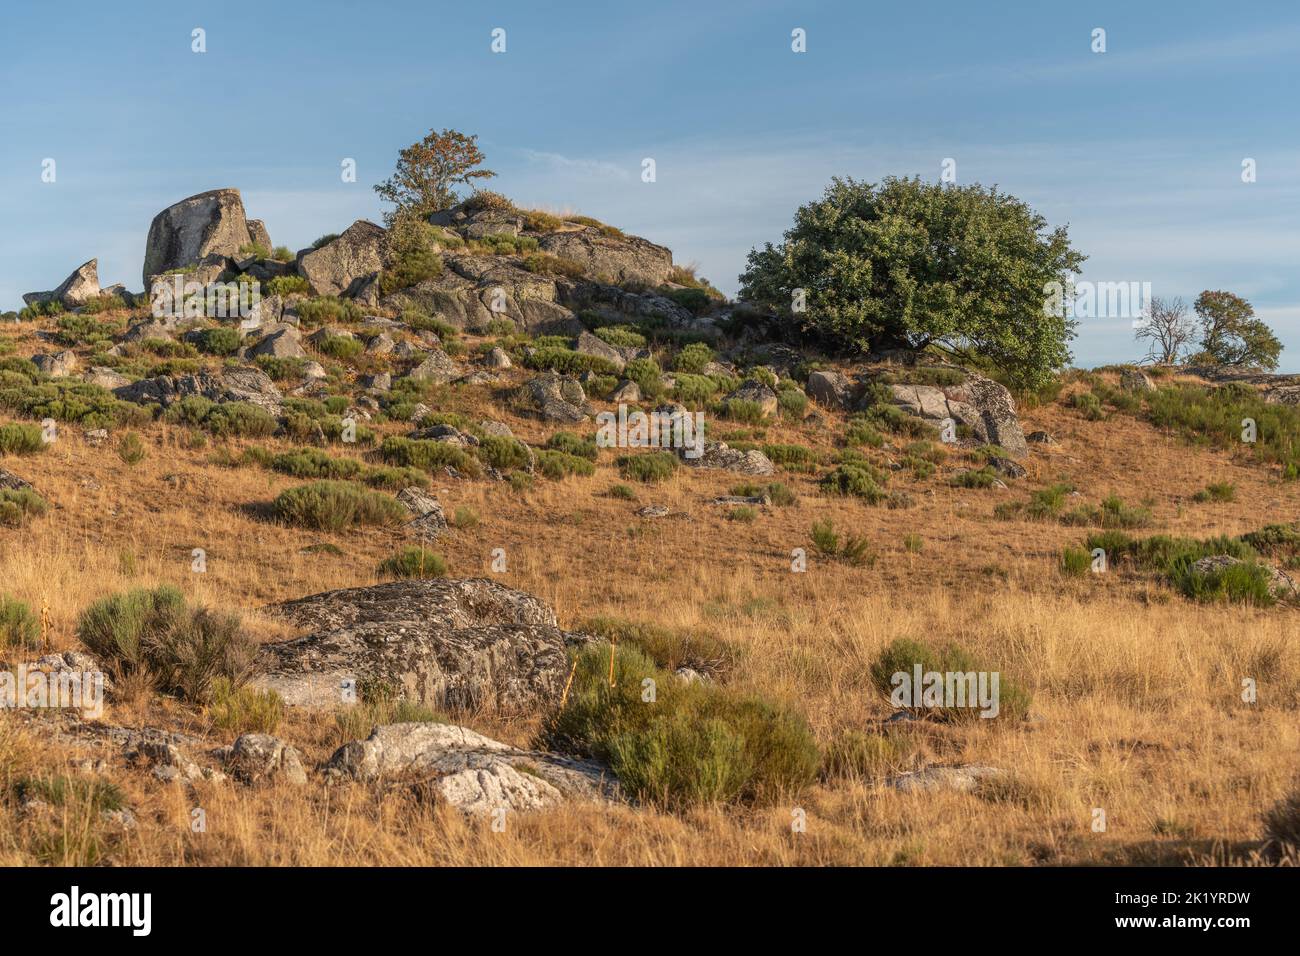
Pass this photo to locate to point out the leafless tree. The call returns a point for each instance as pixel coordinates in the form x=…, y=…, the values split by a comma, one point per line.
x=1168, y=329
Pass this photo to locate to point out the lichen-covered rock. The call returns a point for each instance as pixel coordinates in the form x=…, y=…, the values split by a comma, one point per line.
x=831, y=389
x=932, y=779
x=74, y=291
x=261, y=758
x=717, y=454
x=983, y=405
x=59, y=365
x=208, y=225
x=756, y=393
x=471, y=772
x=449, y=644
x=437, y=369
x=555, y=397
x=614, y=259
x=427, y=518
x=228, y=384
x=1134, y=380
x=340, y=265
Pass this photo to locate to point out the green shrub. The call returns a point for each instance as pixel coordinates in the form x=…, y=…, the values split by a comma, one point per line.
x=652, y=466
x=862, y=432
x=181, y=650
x=222, y=340
x=856, y=478
x=1246, y=583
x=130, y=448
x=18, y=439
x=557, y=465
x=19, y=504
x=288, y=285
x=1088, y=404
x=1075, y=562
x=325, y=240
x=669, y=647
x=240, y=419
x=742, y=410
x=903, y=655
x=429, y=455
x=1112, y=513
x=695, y=744
x=694, y=390
x=621, y=336
x=1216, y=491
x=341, y=347
x=336, y=505
x=554, y=265
x=693, y=357
x=328, y=310
x=465, y=517
x=19, y=630
x=413, y=562
x=647, y=375
x=792, y=403
x=244, y=710
x=568, y=362
x=792, y=457
x=102, y=303
x=281, y=369
x=502, y=452
x=981, y=478
x=852, y=549
x=623, y=492
x=572, y=444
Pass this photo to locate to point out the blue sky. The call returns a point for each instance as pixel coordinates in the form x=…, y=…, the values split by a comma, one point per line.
x=1138, y=150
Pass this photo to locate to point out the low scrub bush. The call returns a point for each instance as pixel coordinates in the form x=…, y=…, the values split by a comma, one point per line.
x=651, y=467
x=903, y=656
x=413, y=562
x=179, y=649
x=695, y=744
x=336, y=506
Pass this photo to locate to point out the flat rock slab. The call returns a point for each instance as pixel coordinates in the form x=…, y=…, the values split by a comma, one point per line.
x=469, y=771
x=449, y=644
x=931, y=779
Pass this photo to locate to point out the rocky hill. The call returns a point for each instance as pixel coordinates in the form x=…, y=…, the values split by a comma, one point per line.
x=373, y=519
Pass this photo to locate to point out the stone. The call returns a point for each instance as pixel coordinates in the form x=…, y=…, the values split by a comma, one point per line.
x=1007, y=467
x=931, y=779
x=257, y=233
x=225, y=384
x=438, y=369
x=59, y=365
x=427, y=518
x=95, y=437
x=261, y=758
x=831, y=389
x=1040, y=438
x=615, y=259
x=627, y=393
x=498, y=358
x=589, y=344
x=379, y=382
x=756, y=393
x=283, y=341
x=12, y=482
x=453, y=645
x=74, y=291
x=105, y=377
x=978, y=402
x=471, y=772
x=347, y=261
x=210, y=224
x=381, y=344
x=1134, y=380
x=718, y=454
x=555, y=397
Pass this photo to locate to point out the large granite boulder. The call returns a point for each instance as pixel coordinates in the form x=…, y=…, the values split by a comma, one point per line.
x=555, y=398
x=343, y=264
x=718, y=454
x=209, y=225
x=468, y=771
x=983, y=405
x=74, y=291
x=462, y=645
x=614, y=259
x=227, y=384
x=831, y=389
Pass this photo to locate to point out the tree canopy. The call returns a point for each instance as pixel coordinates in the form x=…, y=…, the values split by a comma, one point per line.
x=913, y=264
x=428, y=171
x=1230, y=333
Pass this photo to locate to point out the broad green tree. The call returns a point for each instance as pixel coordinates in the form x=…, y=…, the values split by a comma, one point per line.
x=1231, y=335
x=428, y=171
x=911, y=264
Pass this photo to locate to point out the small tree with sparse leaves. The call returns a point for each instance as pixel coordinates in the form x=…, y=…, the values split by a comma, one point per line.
x=428, y=172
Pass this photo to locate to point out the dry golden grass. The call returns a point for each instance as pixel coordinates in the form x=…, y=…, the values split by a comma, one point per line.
x=1136, y=691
